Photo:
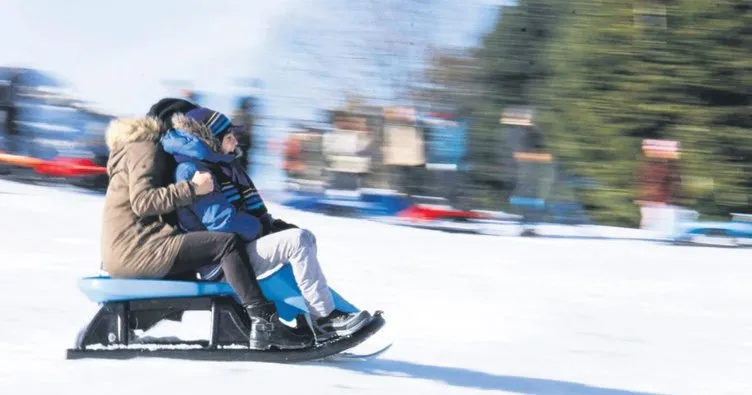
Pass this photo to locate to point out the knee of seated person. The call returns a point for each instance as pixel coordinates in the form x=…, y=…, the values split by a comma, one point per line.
x=237, y=241
x=302, y=236
x=231, y=242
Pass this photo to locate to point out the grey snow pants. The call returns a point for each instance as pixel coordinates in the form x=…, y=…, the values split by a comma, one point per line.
x=298, y=248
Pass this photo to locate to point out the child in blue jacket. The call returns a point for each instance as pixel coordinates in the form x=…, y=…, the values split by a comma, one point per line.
x=204, y=140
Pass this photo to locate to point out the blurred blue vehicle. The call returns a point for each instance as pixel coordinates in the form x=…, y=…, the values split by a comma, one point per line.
x=734, y=233
x=46, y=134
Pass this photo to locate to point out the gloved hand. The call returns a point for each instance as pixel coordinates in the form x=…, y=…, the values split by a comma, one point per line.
x=272, y=225
x=280, y=225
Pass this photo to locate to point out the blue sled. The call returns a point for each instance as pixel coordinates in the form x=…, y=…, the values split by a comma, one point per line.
x=130, y=306
x=363, y=204
x=737, y=232
x=280, y=287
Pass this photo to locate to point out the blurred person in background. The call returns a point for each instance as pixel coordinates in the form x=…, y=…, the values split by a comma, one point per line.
x=446, y=148
x=204, y=140
x=404, y=149
x=243, y=116
x=292, y=152
x=349, y=151
x=659, y=186
x=8, y=113
x=191, y=96
x=303, y=159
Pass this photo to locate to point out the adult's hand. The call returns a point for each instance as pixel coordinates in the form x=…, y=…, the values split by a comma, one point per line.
x=203, y=183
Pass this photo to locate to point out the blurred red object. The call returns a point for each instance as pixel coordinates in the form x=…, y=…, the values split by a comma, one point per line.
x=70, y=167
x=429, y=213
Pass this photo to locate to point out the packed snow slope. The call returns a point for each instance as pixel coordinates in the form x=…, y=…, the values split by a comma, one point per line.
x=467, y=313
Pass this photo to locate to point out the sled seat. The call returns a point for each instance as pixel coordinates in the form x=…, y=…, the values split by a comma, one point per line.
x=279, y=287
x=104, y=289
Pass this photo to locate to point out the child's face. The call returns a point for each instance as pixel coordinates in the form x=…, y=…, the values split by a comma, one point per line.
x=229, y=143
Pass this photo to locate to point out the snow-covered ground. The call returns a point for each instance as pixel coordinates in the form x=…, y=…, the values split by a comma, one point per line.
x=467, y=313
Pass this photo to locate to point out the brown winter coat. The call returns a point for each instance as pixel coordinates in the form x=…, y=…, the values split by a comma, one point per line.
x=135, y=240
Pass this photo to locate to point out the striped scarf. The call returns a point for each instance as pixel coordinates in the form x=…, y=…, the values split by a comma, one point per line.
x=238, y=189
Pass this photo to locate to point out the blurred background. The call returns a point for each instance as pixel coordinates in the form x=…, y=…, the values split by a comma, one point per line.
x=627, y=113
x=513, y=182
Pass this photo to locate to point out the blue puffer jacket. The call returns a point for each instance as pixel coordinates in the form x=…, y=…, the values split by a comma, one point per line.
x=216, y=210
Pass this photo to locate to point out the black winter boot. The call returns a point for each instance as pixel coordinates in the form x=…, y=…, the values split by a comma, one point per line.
x=268, y=331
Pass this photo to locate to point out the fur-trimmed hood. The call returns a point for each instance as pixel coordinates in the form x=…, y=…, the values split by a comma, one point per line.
x=189, y=140
x=194, y=128
x=122, y=131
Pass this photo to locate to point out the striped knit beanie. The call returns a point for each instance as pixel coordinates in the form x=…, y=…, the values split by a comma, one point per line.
x=218, y=123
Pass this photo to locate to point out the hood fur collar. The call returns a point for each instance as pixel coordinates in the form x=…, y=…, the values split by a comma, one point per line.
x=193, y=127
x=128, y=130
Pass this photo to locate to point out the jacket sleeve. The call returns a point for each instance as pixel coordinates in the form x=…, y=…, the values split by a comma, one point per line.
x=217, y=213
x=146, y=182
